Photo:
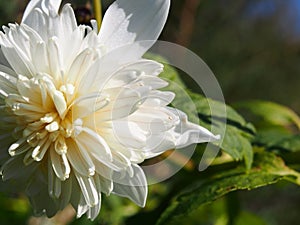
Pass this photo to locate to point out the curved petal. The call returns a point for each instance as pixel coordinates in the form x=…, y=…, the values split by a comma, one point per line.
x=3, y=60
x=41, y=201
x=88, y=189
x=133, y=186
x=128, y=21
x=44, y=5
x=187, y=133
x=138, y=71
x=80, y=160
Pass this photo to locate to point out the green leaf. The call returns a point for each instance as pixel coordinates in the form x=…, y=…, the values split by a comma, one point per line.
x=267, y=169
x=207, y=107
x=236, y=140
x=269, y=137
x=237, y=146
x=278, y=141
x=271, y=112
x=289, y=144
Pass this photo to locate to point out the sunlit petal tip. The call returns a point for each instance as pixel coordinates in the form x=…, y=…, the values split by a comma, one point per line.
x=123, y=19
x=94, y=25
x=44, y=5
x=216, y=137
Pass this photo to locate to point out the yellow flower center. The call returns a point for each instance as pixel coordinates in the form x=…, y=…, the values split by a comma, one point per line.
x=45, y=114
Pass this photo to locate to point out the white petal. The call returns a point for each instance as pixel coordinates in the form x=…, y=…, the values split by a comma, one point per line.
x=103, y=70
x=95, y=139
x=16, y=59
x=54, y=184
x=159, y=98
x=68, y=19
x=98, y=149
x=132, y=71
x=123, y=102
x=66, y=192
x=133, y=187
x=3, y=60
x=93, y=212
x=40, y=150
x=60, y=164
x=7, y=84
x=44, y=5
x=154, y=120
x=151, y=81
x=14, y=169
x=38, y=21
x=127, y=21
x=88, y=189
x=126, y=133
x=158, y=144
x=88, y=81
x=80, y=160
x=54, y=57
x=60, y=103
x=79, y=66
x=82, y=206
x=40, y=58
x=87, y=104
x=187, y=133
x=104, y=185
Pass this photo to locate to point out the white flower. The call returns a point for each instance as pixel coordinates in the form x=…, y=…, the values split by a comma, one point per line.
x=80, y=109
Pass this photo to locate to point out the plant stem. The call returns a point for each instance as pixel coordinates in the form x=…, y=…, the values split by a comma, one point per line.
x=98, y=12
x=233, y=207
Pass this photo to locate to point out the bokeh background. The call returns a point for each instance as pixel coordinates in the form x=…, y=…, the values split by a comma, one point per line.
x=253, y=48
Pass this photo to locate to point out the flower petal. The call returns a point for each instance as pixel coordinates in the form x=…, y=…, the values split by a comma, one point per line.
x=15, y=169
x=38, y=193
x=104, y=185
x=15, y=56
x=88, y=188
x=80, y=160
x=133, y=71
x=122, y=102
x=3, y=60
x=128, y=21
x=54, y=184
x=133, y=187
x=187, y=133
x=44, y=5
x=60, y=164
x=82, y=206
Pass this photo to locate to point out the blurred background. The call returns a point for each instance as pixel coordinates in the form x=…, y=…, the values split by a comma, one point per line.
x=253, y=48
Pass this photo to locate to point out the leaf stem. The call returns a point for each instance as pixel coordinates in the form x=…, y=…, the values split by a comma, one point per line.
x=98, y=12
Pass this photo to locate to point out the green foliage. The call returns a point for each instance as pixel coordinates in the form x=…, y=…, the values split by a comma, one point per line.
x=272, y=113
x=236, y=140
x=267, y=169
x=13, y=210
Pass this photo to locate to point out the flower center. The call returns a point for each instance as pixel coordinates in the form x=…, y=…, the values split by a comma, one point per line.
x=44, y=115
